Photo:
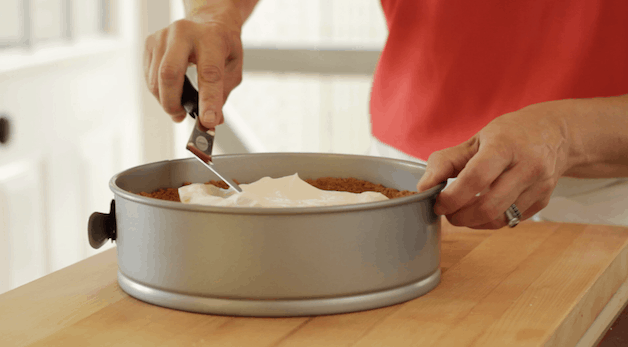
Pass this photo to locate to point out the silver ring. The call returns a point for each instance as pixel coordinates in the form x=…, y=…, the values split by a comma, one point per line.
x=513, y=215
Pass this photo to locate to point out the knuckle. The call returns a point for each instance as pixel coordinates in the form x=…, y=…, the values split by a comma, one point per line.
x=539, y=169
x=153, y=39
x=233, y=76
x=209, y=73
x=537, y=206
x=216, y=37
x=543, y=203
x=216, y=28
x=172, y=109
x=225, y=42
x=222, y=40
x=169, y=74
x=435, y=157
x=501, y=145
x=238, y=79
x=501, y=138
x=503, y=151
x=181, y=25
x=547, y=187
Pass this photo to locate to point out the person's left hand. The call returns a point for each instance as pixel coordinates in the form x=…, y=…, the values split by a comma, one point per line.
x=516, y=159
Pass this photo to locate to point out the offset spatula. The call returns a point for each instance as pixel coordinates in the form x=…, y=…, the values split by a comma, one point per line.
x=202, y=139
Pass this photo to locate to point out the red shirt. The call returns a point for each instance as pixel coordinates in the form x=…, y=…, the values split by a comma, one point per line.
x=450, y=67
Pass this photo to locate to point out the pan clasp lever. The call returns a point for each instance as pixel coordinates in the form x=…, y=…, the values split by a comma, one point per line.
x=102, y=226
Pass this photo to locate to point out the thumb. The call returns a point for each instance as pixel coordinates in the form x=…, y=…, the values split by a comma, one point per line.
x=446, y=163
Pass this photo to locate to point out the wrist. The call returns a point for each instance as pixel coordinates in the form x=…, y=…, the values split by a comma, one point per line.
x=597, y=142
x=566, y=117
x=552, y=120
x=224, y=12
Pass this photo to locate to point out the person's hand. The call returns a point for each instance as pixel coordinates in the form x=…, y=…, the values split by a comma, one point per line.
x=208, y=38
x=516, y=159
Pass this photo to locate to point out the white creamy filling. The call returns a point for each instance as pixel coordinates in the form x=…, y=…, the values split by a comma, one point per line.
x=288, y=191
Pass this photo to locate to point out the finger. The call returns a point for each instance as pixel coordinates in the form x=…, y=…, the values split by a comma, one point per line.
x=157, y=55
x=500, y=195
x=530, y=202
x=171, y=74
x=232, y=79
x=446, y=163
x=535, y=198
x=148, y=56
x=233, y=74
x=479, y=173
x=210, y=67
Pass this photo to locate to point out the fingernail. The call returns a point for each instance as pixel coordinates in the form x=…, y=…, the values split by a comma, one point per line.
x=209, y=117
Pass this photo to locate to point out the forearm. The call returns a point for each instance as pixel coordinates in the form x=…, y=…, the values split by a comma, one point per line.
x=597, y=133
x=210, y=9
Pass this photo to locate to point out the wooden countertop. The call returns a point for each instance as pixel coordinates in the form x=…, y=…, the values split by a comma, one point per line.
x=539, y=284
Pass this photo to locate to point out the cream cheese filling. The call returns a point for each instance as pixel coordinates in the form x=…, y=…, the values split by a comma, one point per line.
x=288, y=191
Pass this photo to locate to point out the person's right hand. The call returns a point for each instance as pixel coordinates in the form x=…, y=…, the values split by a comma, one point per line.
x=208, y=38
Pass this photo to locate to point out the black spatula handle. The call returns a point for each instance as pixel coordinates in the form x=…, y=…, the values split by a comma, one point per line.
x=189, y=98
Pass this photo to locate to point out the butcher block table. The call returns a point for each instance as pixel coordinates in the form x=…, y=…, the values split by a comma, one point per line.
x=539, y=284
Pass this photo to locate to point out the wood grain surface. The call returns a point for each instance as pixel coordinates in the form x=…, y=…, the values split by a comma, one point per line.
x=540, y=284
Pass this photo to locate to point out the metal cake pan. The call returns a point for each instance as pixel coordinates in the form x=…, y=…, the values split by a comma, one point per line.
x=273, y=261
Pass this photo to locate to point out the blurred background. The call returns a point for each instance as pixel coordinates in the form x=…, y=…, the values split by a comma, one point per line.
x=74, y=108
